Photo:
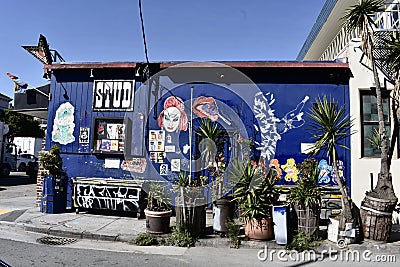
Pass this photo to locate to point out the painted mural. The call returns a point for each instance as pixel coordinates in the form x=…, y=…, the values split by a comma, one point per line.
x=271, y=127
x=92, y=196
x=63, y=126
x=173, y=117
x=206, y=107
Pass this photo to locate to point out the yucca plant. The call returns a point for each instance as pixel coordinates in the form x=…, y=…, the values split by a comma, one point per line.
x=375, y=139
x=254, y=190
x=158, y=199
x=330, y=127
x=212, y=138
x=212, y=145
x=307, y=193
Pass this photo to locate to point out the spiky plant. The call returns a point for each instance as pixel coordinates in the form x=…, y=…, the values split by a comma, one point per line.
x=330, y=127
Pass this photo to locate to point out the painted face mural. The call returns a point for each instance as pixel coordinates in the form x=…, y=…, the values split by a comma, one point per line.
x=173, y=117
x=206, y=107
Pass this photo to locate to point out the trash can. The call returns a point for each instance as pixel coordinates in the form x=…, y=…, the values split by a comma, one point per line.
x=281, y=229
x=223, y=210
x=54, y=194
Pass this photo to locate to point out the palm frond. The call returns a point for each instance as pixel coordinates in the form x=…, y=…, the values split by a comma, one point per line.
x=330, y=126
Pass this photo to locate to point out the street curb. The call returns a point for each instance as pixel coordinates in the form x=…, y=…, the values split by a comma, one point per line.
x=213, y=240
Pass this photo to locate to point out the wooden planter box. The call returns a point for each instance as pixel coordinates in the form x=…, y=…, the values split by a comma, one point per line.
x=307, y=219
x=376, y=217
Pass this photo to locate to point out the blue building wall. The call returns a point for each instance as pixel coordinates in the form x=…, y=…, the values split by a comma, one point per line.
x=283, y=89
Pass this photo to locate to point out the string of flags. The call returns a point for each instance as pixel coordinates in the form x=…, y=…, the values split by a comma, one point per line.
x=19, y=85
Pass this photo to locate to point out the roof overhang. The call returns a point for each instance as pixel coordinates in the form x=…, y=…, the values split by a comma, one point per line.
x=325, y=29
x=41, y=113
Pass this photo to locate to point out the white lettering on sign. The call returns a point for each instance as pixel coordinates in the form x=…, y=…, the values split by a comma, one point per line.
x=113, y=95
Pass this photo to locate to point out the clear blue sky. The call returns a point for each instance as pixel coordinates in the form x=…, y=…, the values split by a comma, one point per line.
x=109, y=30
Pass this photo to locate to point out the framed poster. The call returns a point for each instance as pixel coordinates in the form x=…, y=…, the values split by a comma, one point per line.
x=109, y=135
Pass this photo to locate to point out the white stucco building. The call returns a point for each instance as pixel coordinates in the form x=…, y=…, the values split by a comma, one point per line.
x=329, y=40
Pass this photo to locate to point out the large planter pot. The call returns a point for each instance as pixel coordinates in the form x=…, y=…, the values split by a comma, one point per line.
x=192, y=214
x=157, y=222
x=376, y=217
x=308, y=219
x=260, y=229
x=223, y=210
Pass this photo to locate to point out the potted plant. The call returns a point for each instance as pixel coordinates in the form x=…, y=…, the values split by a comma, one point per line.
x=52, y=161
x=330, y=127
x=255, y=195
x=306, y=197
x=190, y=204
x=55, y=183
x=212, y=143
x=159, y=209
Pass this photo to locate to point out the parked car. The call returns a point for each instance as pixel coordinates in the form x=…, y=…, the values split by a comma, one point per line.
x=23, y=159
x=32, y=169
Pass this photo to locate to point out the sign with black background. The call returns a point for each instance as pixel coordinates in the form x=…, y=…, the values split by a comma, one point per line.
x=113, y=95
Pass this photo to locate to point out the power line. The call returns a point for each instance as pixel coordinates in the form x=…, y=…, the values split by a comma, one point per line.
x=143, y=34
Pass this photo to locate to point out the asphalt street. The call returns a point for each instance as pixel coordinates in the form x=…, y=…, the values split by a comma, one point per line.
x=20, y=247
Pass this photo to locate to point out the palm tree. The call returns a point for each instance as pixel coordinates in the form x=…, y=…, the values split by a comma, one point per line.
x=359, y=17
x=392, y=60
x=330, y=127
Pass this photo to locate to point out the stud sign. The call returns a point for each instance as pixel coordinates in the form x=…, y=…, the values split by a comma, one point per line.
x=113, y=95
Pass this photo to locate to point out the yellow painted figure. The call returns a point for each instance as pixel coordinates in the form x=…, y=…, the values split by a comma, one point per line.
x=291, y=170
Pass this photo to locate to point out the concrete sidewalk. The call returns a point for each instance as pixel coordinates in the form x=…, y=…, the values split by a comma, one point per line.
x=125, y=229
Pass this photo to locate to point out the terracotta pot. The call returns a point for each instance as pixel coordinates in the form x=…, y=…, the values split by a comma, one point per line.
x=260, y=229
x=157, y=222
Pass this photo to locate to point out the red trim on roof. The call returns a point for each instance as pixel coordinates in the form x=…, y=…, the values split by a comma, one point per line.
x=90, y=65
x=234, y=64
x=261, y=64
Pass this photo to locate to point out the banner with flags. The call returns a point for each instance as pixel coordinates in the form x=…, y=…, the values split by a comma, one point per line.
x=19, y=85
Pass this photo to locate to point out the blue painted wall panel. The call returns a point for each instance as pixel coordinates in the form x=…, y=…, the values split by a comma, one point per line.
x=235, y=104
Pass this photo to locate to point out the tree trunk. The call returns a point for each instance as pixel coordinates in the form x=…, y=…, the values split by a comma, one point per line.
x=346, y=204
x=396, y=116
x=384, y=186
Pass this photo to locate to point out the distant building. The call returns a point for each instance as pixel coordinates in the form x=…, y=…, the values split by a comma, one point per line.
x=4, y=102
x=329, y=40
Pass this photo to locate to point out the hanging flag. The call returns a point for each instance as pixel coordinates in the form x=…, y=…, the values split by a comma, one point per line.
x=19, y=85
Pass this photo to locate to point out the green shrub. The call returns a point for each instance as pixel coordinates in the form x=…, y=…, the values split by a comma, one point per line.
x=146, y=239
x=182, y=237
x=302, y=241
x=233, y=232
